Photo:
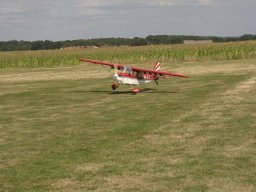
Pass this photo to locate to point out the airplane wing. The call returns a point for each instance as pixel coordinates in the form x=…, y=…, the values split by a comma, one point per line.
x=145, y=71
x=111, y=65
x=158, y=73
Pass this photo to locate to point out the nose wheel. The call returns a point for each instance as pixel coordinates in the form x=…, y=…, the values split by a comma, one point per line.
x=114, y=86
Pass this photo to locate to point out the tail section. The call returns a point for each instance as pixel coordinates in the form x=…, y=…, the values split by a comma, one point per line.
x=157, y=66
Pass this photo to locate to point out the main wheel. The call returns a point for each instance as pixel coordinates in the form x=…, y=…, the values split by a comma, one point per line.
x=135, y=90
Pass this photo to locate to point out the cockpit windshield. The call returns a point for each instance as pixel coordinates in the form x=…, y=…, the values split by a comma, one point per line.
x=127, y=69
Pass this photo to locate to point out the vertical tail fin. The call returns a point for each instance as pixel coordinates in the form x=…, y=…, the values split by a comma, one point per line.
x=157, y=66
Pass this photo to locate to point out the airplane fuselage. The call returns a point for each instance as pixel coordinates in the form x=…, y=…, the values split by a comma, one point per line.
x=126, y=79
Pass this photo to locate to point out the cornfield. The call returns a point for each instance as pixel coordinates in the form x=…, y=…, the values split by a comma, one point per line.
x=163, y=53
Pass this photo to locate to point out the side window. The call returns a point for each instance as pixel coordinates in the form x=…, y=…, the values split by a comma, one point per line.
x=140, y=74
x=134, y=73
x=127, y=70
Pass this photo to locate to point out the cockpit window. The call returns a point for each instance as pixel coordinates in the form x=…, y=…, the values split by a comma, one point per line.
x=127, y=69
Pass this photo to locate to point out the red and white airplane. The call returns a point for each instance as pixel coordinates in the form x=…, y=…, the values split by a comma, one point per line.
x=134, y=76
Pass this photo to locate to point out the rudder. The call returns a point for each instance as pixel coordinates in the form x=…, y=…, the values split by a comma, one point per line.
x=156, y=66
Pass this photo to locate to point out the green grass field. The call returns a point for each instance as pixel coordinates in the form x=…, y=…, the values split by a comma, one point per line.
x=62, y=129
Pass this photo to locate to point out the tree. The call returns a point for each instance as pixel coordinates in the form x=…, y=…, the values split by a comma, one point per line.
x=37, y=45
x=136, y=41
x=246, y=37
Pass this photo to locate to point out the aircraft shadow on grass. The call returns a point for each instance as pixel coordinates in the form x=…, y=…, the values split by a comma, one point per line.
x=142, y=91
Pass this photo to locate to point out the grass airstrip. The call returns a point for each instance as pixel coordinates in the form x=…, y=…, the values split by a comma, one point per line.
x=63, y=129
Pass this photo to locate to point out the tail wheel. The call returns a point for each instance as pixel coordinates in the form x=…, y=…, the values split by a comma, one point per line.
x=114, y=86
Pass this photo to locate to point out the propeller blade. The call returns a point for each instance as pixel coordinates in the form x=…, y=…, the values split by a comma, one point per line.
x=115, y=69
x=115, y=72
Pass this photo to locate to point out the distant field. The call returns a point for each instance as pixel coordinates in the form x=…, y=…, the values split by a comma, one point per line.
x=162, y=53
x=62, y=128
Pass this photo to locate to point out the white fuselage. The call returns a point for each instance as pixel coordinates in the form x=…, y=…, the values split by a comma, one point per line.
x=130, y=81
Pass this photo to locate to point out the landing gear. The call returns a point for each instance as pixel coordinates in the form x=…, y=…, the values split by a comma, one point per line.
x=114, y=86
x=135, y=90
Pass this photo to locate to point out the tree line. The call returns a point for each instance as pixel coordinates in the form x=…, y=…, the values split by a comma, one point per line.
x=15, y=45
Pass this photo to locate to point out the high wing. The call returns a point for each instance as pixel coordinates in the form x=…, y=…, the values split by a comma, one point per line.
x=112, y=65
x=138, y=70
x=158, y=73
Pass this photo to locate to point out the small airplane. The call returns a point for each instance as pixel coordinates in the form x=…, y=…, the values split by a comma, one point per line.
x=134, y=76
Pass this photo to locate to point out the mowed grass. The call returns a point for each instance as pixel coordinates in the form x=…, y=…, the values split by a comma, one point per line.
x=67, y=131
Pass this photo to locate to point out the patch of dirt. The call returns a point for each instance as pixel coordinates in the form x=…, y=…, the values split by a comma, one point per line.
x=90, y=167
x=64, y=183
x=130, y=182
x=236, y=151
x=239, y=91
x=228, y=185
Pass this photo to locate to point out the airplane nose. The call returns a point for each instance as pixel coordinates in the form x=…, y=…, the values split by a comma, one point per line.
x=115, y=76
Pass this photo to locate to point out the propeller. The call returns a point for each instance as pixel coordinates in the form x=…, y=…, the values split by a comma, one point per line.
x=115, y=85
x=115, y=70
